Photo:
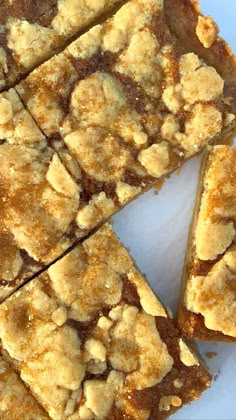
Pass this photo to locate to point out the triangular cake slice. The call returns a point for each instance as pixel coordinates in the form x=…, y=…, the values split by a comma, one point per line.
x=207, y=308
x=33, y=30
x=91, y=340
x=130, y=103
x=16, y=402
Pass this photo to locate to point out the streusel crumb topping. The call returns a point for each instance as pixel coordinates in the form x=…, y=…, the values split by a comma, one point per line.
x=16, y=402
x=86, y=337
x=32, y=31
x=212, y=293
x=128, y=104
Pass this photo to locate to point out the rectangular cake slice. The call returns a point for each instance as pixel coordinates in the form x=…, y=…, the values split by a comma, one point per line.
x=208, y=302
x=38, y=197
x=131, y=103
x=16, y=402
x=32, y=30
x=92, y=341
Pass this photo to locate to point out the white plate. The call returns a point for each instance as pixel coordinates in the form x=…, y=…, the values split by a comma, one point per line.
x=155, y=229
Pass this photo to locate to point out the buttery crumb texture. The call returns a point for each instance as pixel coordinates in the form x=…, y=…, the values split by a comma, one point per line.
x=208, y=310
x=129, y=104
x=16, y=402
x=31, y=30
x=91, y=340
x=39, y=198
x=121, y=108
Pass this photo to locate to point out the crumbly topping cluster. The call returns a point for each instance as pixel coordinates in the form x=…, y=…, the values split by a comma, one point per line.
x=39, y=197
x=166, y=402
x=17, y=127
x=213, y=294
x=84, y=336
x=3, y=66
x=15, y=400
x=218, y=205
x=30, y=33
x=207, y=31
x=122, y=99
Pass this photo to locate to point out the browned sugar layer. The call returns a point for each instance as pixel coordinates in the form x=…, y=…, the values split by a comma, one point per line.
x=30, y=10
x=91, y=340
x=211, y=273
x=33, y=30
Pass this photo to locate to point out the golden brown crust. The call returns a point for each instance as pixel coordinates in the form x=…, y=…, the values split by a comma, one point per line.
x=207, y=305
x=90, y=326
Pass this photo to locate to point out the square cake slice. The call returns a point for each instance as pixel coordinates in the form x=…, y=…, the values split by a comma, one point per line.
x=131, y=103
x=38, y=197
x=32, y=30
x=208, y=303
x=92, y=341
x=16, y=402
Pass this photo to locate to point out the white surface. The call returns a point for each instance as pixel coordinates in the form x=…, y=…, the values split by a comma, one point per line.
x=155, y=229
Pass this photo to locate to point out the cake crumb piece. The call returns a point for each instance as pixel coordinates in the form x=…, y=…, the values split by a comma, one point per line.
x=211, y=354
x=187, y=357
x=166, y=402
x=178, y=383
x=207, y=31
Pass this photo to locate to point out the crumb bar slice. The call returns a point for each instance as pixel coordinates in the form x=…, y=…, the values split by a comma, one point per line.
x=130, y=103
x=38, y=197
x=31, y=30
x=208, y=308
x=16, y=402
x=92, y=341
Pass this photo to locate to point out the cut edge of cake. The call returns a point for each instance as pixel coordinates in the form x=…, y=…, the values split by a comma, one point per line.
x=193, y=324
